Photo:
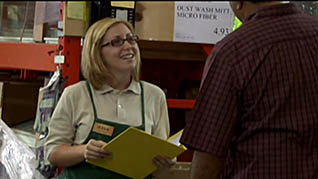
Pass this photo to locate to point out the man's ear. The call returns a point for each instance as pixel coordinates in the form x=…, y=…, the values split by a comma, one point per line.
x=239, y=5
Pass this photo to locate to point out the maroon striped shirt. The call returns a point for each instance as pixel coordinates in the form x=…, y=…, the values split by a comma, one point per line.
x=258, y=104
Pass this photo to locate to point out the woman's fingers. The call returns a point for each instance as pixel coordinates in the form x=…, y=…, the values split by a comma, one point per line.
x=93, y=150
x=96, y=155
x=163, y=162
x=93, y=155
x=97, y=143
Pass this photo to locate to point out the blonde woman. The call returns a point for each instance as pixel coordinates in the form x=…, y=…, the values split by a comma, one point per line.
x=111, y=95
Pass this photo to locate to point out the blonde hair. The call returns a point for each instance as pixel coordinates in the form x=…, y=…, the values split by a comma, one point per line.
x=93, y=67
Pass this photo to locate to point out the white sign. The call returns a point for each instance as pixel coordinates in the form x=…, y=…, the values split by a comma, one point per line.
x=202, y=22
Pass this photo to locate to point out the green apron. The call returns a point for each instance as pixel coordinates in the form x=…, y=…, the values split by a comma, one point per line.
x=85, y=170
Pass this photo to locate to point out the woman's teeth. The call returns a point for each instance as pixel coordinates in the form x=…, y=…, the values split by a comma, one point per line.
x=125, y=57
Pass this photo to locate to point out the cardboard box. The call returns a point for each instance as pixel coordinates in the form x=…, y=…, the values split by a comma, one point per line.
x=18, y=101
x=38, y=29
x=76, y=26
x=75, y=19
x=181, y=170
x=155, y=20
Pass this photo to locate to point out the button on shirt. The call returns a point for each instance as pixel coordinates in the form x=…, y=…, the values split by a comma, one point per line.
x=73, y=116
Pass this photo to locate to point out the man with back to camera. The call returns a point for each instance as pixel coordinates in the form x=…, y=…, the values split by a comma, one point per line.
x=256, y=116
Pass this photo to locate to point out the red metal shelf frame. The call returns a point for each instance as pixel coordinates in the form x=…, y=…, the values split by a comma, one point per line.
x=40, y=57
x=181, y=103
x=29, y=56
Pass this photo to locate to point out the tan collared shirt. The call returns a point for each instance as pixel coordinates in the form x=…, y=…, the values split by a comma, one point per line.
x=73, y=116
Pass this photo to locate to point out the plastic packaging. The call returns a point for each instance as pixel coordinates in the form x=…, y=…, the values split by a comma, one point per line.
x=17, y=160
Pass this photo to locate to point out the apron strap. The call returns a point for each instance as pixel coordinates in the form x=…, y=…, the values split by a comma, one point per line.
x=142, y=104
x=92, y=100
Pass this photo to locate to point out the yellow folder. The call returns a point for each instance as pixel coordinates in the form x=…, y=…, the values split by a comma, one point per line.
x=133, y=151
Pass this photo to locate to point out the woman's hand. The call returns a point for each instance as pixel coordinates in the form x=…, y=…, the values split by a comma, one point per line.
x=93, y=150
x=163, y=162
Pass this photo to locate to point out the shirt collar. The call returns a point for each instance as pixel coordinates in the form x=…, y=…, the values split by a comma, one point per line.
x=133, y=87
x=274, y=10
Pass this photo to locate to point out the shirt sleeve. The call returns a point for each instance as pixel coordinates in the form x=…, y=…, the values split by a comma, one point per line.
x=161, y=126
x=61, y=130
x=211, y=127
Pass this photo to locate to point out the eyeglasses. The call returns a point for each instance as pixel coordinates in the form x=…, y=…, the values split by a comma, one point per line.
x=132, y=39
